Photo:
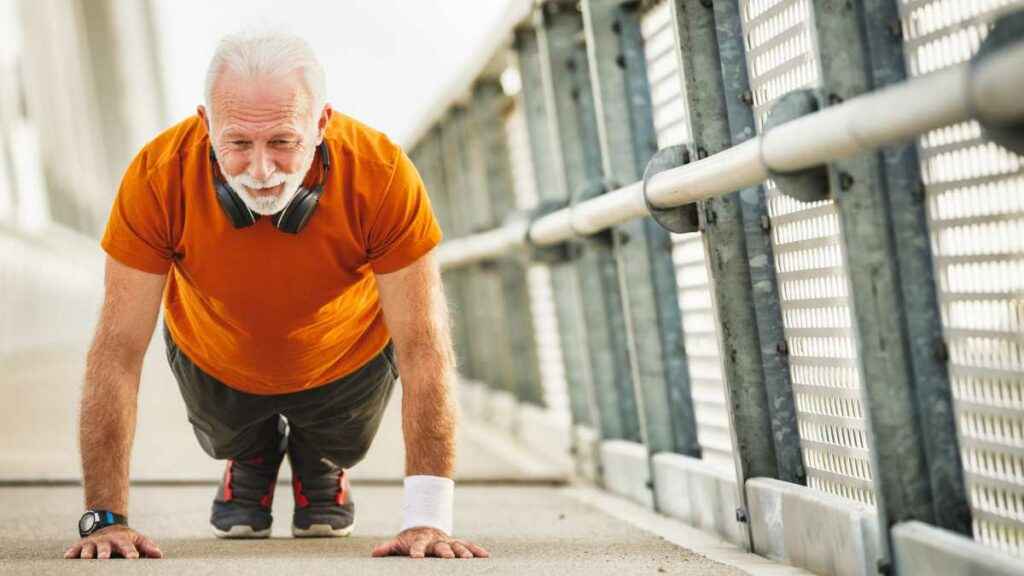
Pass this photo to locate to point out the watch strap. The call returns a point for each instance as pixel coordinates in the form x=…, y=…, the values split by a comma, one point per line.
x=103, y=519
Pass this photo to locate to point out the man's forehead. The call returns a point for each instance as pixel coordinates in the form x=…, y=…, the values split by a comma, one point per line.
x=260, y=101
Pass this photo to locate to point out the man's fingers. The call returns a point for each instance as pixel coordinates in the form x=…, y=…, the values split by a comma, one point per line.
x=126, y=548
x=385, y=549
x=460, y=550
x=88, y=550
x=476, y=550
x=103, y=549
x=73, y=552
x=149, y=548
x=443, y=550
x=419, y=548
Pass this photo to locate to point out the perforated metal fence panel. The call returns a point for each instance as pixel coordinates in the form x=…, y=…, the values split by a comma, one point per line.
x=542, y=303
x=700, y=326
x=975, y=192
x=809, y=262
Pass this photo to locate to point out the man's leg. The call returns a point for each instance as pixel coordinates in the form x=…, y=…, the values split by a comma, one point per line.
x=244, y=429
x=329, y=434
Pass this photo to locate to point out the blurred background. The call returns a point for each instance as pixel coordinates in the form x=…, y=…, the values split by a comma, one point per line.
x=86, y=82
x=83, y=85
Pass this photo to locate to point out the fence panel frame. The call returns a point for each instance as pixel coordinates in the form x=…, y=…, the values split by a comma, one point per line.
x=567, y=91
x=878, y=275
x=642, y=249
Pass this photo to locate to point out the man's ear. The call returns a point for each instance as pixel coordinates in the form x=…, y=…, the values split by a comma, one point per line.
x=321, y=126
x=201, y=111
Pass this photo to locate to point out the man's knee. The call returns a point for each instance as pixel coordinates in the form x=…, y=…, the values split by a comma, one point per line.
x=347, y=457
x=224, y=443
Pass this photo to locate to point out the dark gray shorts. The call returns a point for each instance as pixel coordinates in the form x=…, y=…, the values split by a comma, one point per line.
x=336, y=421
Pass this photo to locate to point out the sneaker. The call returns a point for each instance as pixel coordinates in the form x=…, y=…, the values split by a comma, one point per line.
x=241, y=508
x=323, y=505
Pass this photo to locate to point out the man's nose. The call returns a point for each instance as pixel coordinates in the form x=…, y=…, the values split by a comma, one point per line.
x=261, y=166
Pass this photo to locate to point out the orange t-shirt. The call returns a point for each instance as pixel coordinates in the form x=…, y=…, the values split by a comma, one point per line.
x=263, y=311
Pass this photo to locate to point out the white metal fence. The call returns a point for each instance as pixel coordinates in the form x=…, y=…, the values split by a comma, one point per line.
x=975, y=192
x=975, y=200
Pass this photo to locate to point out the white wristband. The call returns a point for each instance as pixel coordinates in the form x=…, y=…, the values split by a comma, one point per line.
x=428, y=501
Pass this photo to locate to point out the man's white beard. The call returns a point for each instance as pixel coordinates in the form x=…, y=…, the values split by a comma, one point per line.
x=270, y=204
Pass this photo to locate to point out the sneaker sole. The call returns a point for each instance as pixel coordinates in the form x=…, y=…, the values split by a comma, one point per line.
x=241, y=532
x=322, y=531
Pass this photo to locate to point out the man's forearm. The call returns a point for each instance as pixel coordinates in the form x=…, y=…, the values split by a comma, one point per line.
x=107, y=428
x=429, y=411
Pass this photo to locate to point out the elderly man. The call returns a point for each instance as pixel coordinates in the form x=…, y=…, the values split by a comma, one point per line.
x=291, y=248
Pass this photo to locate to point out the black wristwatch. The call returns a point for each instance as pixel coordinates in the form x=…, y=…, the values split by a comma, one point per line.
x=94, y=520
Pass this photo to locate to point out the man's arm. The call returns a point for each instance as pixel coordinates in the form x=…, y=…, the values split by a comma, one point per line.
x=417, y=317
x=109, y=398
x=416, y=314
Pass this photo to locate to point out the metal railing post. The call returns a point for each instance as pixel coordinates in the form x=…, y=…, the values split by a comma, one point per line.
x=570, y=101
x=901, y=178
x=739, y=242
x=518, y=355
x=488, y=304
x=910, y=414
x=548, y=177
x=643, y=250
x=459, y=282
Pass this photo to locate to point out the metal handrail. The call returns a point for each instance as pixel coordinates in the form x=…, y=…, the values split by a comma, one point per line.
x=990, y=89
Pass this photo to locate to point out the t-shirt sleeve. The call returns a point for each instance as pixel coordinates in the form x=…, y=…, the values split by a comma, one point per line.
x=404, y=227
x=137, y=232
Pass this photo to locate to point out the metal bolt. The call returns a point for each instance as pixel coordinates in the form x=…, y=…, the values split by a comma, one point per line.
x=834, y=99
x=782, y=348
x=920, y=192
x=845, y=181
x=747, y=97
x=941, y=350
x=707, y=3
x=701, y=152
x=741, y=515
x=617, y=27
x=649, y=484
x=620, y=61
x=895, y=29
x=709, y=215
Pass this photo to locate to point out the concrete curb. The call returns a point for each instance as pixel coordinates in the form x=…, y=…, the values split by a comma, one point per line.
x=815, y=530
x=535, y=430
x=923, y=549
x=627, y=471
x=700, y=494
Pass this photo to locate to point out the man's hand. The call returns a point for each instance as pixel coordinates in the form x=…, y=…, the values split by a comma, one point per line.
x=120, y=540
x=423, y=542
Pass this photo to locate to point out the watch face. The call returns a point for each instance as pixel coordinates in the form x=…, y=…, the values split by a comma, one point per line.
x=87, y=522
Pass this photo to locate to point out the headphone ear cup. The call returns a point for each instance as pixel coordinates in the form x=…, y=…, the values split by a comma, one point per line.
x=233, y=206
x=295, y=215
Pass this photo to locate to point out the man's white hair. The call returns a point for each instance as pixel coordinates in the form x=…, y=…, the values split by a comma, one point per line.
x=254, y=53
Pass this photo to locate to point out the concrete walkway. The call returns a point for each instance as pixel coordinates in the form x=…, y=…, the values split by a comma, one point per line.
x=527, y=530
x=506, y=500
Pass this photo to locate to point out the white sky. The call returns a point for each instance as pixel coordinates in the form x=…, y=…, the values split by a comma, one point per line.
x=387, y=61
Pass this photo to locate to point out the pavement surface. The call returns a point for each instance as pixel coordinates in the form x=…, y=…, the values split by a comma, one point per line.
x=507, y=499
x=528, y=530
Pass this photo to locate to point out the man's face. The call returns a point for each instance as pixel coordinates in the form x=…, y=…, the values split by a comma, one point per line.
x=265, y=137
